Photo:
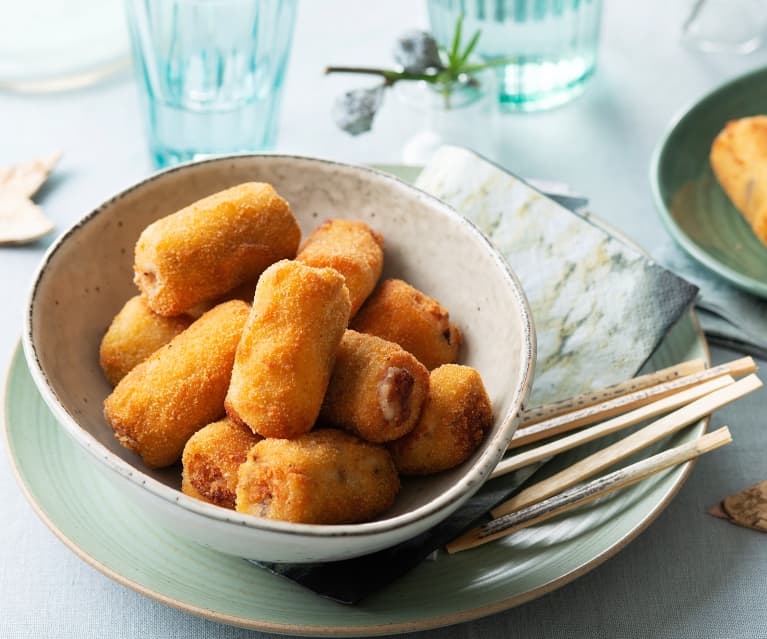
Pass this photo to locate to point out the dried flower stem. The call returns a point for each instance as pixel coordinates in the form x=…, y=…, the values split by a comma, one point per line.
x=390, y=76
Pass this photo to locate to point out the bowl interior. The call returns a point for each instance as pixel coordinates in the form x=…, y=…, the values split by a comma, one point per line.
x=87, y=277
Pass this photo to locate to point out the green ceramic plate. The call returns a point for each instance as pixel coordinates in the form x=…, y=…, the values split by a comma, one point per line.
x=110, y=533
x=693, y=206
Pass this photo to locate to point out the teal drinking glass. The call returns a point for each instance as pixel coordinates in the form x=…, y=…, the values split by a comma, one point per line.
x=210, y=73
x=551, y=45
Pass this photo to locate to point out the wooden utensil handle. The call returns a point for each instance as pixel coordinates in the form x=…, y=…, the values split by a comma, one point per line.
x=672, y=402
x=629, y=445
x=618, y=405
x=584, y=493
x=547, y=411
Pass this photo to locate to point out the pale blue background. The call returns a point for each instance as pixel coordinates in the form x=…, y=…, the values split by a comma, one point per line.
x=689, y=575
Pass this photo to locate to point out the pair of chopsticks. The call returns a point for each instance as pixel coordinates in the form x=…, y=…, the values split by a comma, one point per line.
x=682, y=394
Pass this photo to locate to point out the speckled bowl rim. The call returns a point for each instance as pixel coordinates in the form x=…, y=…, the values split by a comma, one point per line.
x=739, y=279
x=447, y=501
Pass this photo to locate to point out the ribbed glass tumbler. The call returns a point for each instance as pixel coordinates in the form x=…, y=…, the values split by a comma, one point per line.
x=210, y=73
x=551, y=45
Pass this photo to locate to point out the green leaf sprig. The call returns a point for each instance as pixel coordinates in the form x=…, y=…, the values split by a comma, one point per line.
x=454, y=70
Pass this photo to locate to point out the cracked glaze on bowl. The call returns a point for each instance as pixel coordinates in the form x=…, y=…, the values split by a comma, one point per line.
x=86, y=277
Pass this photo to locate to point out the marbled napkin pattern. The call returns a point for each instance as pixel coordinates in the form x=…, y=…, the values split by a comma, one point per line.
x=600, y=306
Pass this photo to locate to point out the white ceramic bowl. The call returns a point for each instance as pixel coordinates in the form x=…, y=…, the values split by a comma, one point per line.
x=86, y=277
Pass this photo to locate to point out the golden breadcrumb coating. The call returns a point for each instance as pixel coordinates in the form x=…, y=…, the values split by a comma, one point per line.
x=179, y=389
x=190, y=490
x=377, y=389
x=399, y=313
x=134, y=334
x=287, y=350
x=739, y=160
x=323, y=477
x=211, y=459
x=353, y=249
x=453, y=422
x=244, y=292
x=212, y=246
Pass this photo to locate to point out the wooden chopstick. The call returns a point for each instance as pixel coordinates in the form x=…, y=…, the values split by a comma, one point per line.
x=610, y=426
x=598, y=412
x=629, y=445
x=547, y=411
x=589, y=491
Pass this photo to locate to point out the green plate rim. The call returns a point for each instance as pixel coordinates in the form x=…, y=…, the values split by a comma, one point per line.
x=739, y=279
x=426, y=623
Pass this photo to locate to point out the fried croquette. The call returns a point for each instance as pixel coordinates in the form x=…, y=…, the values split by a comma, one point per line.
x=453, y=422
x=179, y=389
x=376, y=390
x=353, y=249
x=212, y=246
x=191, y=491
x=134, y=334
x=323, y=477
x=399, y=313
x=211, y=459
x=287, y=350
x=242, y=292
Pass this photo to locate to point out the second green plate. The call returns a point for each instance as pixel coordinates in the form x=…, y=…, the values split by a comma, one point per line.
x=692, y=205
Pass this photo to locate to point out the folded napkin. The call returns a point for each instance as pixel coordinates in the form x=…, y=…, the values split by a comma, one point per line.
x=730, y=317
x=600, y=308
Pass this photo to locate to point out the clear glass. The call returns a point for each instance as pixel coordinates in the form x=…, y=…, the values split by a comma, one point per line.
x=464, y=116
x=210, y=73
x=554, y=43
x=725, y=26
x=50, y=45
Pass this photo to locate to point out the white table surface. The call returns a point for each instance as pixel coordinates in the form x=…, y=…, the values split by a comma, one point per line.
x=688, y=575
